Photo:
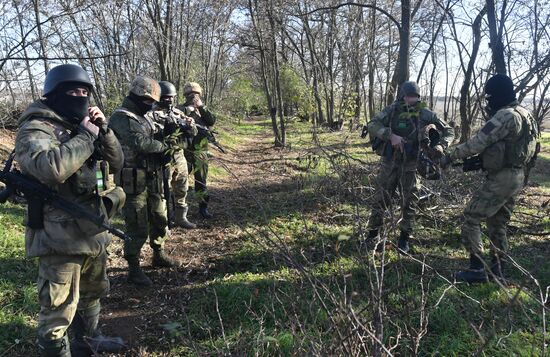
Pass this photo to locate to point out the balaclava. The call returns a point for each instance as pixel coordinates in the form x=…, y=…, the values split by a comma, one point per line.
x=141, y=106
x=70, y=107
x=499, y=91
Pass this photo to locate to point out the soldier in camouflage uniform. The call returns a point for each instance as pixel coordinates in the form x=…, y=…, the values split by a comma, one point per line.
x=141, y=177
x=172, y=119
x=398, y=129
x=59, y=143
x=506, y=144
x=197, y=153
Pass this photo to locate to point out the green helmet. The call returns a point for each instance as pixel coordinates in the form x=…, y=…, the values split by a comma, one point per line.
x=192, y=87
x=63, y=74
x=167, y=89
x=147, y=87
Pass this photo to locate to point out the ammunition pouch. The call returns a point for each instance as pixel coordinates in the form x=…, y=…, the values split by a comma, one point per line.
x=96, y=206
x=132, y=180
x=113, y=200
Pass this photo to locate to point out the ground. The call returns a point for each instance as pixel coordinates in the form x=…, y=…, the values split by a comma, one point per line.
x=281, y=269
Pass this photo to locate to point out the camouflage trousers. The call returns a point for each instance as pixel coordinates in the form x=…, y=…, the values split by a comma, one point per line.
x=197, y=163
x=67, y=284
x=493, y=203
x=395, y=175
x=179, y=179
x=145, y=217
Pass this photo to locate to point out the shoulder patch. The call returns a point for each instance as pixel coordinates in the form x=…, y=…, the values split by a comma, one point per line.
x=488, y=128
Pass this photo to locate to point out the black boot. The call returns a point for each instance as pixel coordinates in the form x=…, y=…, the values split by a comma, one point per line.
x=497, y=268
x=403, y=243
x=371, y=240
x=88, y=339
x=475, y=273
x=162, y=260
x=203, y=211
x=54, y=348
x=135, y=274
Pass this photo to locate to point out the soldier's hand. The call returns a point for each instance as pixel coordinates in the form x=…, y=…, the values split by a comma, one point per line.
x=437, y=152
x=397, y=142
x=91, y=128
x=97, y=117
x=197, y=101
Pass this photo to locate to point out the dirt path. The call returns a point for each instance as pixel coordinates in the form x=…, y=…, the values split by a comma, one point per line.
x=136, y=313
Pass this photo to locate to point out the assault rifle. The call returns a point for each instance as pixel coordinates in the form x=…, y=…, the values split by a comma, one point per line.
x=38, y=194
x=472, y=163
x=210, y=136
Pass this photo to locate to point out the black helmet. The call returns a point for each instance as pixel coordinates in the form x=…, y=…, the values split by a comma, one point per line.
x=167, y=89
x=63, y=74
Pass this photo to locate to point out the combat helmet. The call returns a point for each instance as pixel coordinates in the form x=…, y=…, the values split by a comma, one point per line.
x=66, y=73
x=146, y=87
x=192, y=87
x=167, y=89
x=409, y=88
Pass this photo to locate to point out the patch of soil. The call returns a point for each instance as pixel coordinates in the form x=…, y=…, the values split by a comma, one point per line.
x=255, y=172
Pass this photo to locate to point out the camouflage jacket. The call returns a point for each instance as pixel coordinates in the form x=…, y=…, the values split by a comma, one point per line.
x=139, y=137
x=513, y=127
x=175, y=116
x=202, y=116
x=59, y=155
x=398, y=119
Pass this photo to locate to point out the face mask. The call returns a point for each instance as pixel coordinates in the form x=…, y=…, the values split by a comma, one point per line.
x=142, y=107
x=69, y=107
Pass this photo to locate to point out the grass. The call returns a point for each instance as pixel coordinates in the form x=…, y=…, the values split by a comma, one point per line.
x=262, y=300
x=18, y=297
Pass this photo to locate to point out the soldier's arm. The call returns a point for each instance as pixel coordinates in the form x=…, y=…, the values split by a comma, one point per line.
x=130, y=132
x=206, y=115
x=111, y=150
x=447, y=132
x=379, y=126
x=500, y=125
x=40, y=154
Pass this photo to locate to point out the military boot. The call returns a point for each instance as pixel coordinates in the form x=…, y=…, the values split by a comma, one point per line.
x=54, y=348
x=475, y=273
x=403, y=243
x=88, y=339
x=162, y=260
x=135, y=274
x=203, y=211
x=181, y=218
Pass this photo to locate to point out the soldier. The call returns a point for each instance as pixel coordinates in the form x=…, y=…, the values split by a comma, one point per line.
x=59, y=142
x=197, y=153
x=506, y=143
x=396, y=133
x=141, y=177
x=164, y=114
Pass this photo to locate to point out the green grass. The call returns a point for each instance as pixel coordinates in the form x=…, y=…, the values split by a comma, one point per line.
x=18, y=297
x=258, y=301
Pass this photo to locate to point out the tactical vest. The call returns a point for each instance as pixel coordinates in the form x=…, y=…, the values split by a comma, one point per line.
x=513, y=152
